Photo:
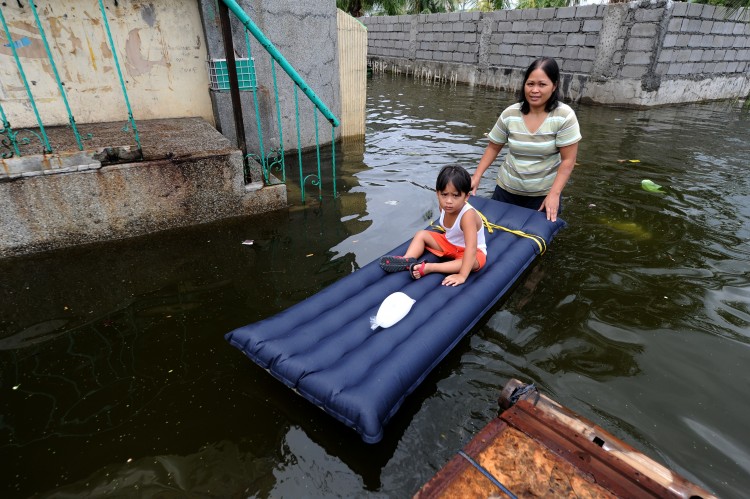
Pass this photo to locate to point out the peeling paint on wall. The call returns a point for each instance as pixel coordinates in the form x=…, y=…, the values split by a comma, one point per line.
x=160, y=46
x=136, y=63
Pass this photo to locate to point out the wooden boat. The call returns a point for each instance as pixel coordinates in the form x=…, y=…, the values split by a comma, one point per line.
x=538, y=448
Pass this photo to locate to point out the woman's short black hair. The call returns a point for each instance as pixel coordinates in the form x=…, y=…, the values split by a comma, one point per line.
x=456, y=175
x=549, y=66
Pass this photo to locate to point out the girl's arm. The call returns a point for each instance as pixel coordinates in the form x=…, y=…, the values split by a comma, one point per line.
x=551, y=203
x=469, y=223
x=490, y=154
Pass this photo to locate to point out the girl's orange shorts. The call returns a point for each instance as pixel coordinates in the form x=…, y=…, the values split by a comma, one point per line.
x=450, y=250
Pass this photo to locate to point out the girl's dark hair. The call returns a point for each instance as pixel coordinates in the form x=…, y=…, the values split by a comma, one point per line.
x=549, y=66
x=456, y=175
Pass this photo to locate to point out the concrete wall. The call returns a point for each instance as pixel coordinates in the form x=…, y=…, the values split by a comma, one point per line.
x=194, y=176
x=160, y=47
x=352, y=52
x=305, y=33
x=637, y=54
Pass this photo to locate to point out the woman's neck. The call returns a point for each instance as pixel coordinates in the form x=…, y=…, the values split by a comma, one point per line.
x=537, y=111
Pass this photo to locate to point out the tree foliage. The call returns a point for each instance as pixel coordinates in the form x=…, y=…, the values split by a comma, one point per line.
x=543, y=4
x=358, y=8
x=733, y=6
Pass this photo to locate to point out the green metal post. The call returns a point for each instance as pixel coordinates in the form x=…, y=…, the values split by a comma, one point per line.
x=6, y=129
x=71, y=120
x=45, y=140
x=254, y=89
x=119, y=74
x=278, y=117
x=299, y=145
x=317, y=152
x=333, y=158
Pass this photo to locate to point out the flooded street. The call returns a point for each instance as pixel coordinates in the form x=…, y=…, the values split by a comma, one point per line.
x=116, y=379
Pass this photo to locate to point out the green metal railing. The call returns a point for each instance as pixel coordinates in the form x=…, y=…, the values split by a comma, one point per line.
x=9, y=138
x=274, y=159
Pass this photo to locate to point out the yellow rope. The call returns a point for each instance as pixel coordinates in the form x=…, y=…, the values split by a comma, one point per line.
x=539, y=240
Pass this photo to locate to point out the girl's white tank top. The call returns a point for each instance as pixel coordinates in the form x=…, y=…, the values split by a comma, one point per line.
x=455, y=235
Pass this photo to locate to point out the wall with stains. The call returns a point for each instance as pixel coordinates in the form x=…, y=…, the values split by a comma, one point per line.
x=160, y=46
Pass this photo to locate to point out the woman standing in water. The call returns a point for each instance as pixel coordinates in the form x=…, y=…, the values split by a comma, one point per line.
x=542, y=135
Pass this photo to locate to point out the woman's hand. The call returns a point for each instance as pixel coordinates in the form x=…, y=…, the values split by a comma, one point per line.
x=551, y=205
x=475, y=180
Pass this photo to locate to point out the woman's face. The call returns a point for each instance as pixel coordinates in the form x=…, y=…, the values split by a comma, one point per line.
x=538, y=88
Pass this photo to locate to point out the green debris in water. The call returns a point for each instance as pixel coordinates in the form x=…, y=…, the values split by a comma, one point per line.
x=650, y=186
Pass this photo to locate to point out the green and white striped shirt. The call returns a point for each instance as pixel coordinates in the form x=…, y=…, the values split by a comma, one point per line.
x=530, y=167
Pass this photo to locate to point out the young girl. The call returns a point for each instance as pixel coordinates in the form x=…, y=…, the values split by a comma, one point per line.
x=463, y=242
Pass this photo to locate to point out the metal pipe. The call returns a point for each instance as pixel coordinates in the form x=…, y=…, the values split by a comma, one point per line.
x=234, y=86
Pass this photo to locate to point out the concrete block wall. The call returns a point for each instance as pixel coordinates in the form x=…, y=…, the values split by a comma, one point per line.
x=700, y=39
x=644, y=53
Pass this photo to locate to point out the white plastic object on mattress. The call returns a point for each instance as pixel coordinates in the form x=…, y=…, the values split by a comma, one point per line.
x=393, y=309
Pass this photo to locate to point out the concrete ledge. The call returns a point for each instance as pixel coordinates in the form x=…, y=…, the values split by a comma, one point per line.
x=65, y=162
x=630, y=93
x=188, y=187
x=580, y=87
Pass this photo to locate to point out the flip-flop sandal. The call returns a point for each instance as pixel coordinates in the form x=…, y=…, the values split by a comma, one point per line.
x=395, y=263
x=419, y=269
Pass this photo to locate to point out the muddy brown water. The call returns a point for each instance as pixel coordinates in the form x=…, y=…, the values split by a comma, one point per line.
x=116, y=379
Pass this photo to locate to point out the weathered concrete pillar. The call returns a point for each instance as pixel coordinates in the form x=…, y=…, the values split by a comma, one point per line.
x=651, y=81
x=305, y=33
x=614, y=18
x=413, y=30
x=485, y=37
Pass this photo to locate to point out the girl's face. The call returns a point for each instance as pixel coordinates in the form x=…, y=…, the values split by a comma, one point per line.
x=538, y=88
x=451, y=200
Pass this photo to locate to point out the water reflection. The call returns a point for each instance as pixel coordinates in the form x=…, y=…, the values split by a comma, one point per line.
x=115, y=373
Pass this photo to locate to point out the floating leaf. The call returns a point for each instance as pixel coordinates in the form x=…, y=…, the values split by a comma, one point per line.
x=634, y=161
x=650, y=186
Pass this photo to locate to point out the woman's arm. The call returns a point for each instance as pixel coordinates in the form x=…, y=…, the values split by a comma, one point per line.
x=551, y=203
x=490, y=154
x=469, y=223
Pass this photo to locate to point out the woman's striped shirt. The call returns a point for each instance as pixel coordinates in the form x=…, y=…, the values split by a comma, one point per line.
x=532, y=161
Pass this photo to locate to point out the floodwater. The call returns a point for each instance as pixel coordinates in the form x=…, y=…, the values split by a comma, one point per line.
x=116, y=379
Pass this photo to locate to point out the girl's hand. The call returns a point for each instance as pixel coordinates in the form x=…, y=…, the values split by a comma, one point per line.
x=454, y=280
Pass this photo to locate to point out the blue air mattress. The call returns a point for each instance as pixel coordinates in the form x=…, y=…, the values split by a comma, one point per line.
x=324, y=349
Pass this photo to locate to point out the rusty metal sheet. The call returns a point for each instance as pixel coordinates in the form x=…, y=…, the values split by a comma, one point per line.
x=538, y=448
x=523, y=465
